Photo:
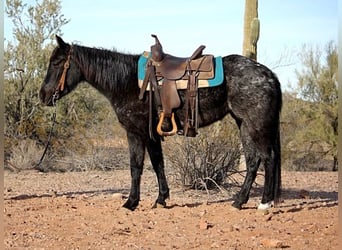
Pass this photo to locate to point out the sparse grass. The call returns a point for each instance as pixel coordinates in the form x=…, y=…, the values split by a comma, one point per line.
x=25, y=155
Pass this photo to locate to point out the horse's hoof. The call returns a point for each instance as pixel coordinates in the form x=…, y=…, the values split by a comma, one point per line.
x=236, y=206
x=234, y=209
x=265, y=206
x=159, y=205
x=130, y=205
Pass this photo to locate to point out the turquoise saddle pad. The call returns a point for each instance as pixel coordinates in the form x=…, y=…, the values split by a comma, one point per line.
x=216, y=81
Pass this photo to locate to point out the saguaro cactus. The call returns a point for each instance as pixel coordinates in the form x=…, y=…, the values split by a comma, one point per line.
x=251, y=29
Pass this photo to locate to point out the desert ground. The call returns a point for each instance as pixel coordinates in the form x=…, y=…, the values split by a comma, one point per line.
x=83, y=210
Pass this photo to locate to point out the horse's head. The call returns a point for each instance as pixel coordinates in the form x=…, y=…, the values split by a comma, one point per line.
x=63, y=74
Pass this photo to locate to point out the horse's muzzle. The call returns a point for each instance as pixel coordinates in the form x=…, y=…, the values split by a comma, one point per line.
x=46, y=97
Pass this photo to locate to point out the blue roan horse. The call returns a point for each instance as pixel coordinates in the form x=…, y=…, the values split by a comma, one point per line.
x=250, y=93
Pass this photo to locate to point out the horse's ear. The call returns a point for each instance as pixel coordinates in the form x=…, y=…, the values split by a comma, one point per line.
x=61, y=43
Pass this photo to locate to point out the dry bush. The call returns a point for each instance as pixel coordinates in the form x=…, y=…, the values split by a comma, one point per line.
x=94, y=141
x=23, y=156
x=95, y=158
x=310, y=161
x=205, y=162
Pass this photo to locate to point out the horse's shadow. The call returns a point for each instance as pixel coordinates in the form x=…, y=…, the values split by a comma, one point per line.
x=71, y=194
x=188, y=205
x=309, y=199
x=301, y=198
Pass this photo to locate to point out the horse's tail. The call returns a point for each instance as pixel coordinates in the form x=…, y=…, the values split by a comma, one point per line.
x=277, y=169
x=277, y=149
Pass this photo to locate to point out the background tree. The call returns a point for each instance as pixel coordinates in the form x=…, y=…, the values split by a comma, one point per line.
x=310, y=118
x=318, y=79
x=27, y=121
x=26, y=58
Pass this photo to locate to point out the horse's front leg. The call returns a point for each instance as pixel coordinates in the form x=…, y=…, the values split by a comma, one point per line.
x=137, y=154
x=155, y=152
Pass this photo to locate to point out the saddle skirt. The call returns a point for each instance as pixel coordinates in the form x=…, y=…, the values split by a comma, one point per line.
x=214, y=80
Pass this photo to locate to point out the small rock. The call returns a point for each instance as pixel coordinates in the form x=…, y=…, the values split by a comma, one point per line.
x=272, y=243
x=231, y=228
x=147, y=226
x=201, y=214
x=203, y=225
x=117, y=196
x=215, y=245
x=263, y=211
x=268, y=217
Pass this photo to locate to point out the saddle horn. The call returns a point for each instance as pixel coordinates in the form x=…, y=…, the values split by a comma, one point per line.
x=157, y=50
x=156, y=38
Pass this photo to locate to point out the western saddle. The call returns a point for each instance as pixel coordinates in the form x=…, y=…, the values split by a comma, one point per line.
x=162, y=71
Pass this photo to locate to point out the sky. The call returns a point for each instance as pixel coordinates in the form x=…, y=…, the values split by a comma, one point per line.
x=183, y=25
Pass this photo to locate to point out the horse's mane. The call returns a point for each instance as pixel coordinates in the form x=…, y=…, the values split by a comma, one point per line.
x=109, y=70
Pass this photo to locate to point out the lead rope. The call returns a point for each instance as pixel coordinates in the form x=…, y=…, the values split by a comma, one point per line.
x=60, y=87
x=54, y=103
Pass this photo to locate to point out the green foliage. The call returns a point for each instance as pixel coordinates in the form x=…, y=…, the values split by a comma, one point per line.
x=309, y=123
x=26, y=59
x=318, y=80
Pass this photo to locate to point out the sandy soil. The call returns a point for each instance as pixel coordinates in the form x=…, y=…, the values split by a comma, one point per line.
x=84, y=211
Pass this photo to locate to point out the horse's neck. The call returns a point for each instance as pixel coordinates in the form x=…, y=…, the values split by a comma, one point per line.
x=109, y=72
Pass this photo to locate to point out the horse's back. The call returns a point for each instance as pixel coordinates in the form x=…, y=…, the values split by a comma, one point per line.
x=250, y=75
x=254, y=92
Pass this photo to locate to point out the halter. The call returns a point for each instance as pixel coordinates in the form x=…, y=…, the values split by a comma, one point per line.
x=60, y=87
x=61, y=83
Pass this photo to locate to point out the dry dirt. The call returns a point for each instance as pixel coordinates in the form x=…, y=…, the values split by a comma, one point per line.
x=84, y=211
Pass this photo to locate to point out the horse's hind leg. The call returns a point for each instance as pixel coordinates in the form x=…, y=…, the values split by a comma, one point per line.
x=265, y=149
x=272, y=186
x=267, y=200
x=253, y=160
x=156, y=155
